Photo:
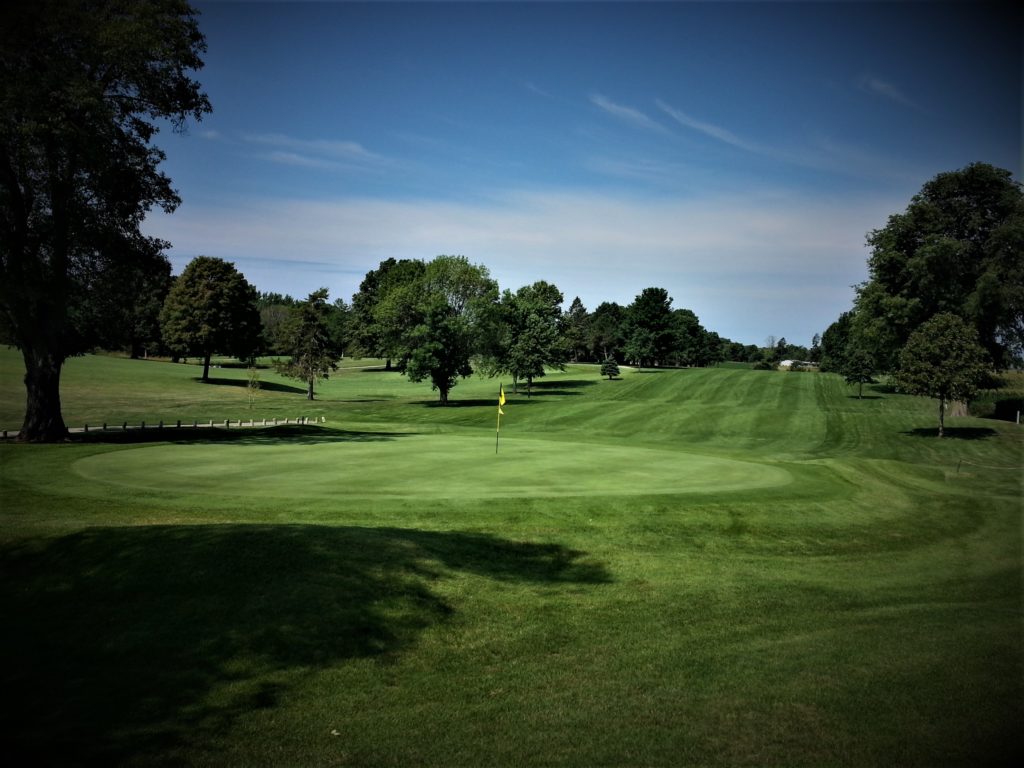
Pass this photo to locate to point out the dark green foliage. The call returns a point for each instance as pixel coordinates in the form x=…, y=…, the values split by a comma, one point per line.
x=834, y=343
x=648, y=328
x=943, y=359
x=379, y=312
x=82, y=87
x=440, y=319
x=529, y=335
x=606, y=330
x=211, y=308
x=858, y=368
x=314, y=351
x=610, y=369
x=576, y=323
x=957, y=248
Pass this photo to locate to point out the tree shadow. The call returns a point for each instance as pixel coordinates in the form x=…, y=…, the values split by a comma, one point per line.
x=552, y=387
x=267, y=386
x=519, y=400
x=129, y=643
x=297, y=434
x=954, y=433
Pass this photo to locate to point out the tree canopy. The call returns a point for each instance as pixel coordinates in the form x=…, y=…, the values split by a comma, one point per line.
x=942, y=359
x=211, y=308
x=83, y=90
x=447, y=311
x=956, y=248
x=314, y=350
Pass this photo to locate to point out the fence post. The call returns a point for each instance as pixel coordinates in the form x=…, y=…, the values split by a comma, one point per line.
x=179, y=423
x=104, y=426
x=143, y=426
x=86, y=427
x=124, y=427
x=227, y=423
x=161, y=424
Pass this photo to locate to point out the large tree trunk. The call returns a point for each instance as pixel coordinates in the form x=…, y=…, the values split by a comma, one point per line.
x=942, y=415
x=309, y=388
x=206, y=367
x=43, y=420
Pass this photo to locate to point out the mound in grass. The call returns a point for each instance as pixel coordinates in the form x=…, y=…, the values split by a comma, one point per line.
x=421, y=466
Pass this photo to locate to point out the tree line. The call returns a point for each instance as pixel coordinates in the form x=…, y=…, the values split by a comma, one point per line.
x=944, y=301
x=437, y=320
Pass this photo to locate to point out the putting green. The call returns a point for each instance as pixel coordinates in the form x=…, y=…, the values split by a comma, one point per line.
x=421, y=466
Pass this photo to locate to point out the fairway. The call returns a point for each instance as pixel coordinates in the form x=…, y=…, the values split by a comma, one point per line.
x=421, y=466
x=715, y=567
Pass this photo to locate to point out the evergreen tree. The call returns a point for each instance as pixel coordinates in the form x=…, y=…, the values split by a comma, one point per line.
x=314, y=351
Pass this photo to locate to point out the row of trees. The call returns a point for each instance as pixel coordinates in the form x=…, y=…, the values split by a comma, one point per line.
x=435, y=321
x=946, y=285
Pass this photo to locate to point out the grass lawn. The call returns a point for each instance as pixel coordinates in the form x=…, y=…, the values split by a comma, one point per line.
x=686, y=567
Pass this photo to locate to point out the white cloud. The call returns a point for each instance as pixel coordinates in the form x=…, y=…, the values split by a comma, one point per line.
x=318, y=152
x=627, y=114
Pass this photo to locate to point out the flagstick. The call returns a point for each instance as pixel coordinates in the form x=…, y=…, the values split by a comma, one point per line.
x=497, y=431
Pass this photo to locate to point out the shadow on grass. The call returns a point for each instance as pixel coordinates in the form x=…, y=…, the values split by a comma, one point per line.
x=492, y=402
x=557, y=387
x=865, y=397
x=265, y=386
x=131, y=643
x=298, y=434
x=954, y=433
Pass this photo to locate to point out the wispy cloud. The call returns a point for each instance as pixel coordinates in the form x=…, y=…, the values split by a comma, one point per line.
x=627, y=114
x=534, y=88
x=714, y=131
x=316, y=153
x=821, y=153
x=877, y=87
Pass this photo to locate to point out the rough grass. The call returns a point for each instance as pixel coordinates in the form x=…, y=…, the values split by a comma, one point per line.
x=694, y=567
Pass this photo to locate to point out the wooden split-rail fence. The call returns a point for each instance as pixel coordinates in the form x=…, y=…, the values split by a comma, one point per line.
x=124, y=426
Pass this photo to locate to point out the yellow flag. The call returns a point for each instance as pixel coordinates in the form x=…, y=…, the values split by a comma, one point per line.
x=501, y=398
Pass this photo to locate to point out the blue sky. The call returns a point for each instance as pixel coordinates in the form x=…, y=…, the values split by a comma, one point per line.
x=735, y=154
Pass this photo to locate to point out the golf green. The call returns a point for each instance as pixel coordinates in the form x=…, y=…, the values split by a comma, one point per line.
x=423, y=466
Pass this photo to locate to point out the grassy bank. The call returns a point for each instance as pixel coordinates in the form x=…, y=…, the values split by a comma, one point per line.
x=714, y=567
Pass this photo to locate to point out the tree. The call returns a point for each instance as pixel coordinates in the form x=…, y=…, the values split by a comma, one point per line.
x=211, y=308
x=606, y=337
x=83, y=87
x=815, y=351
x=858, y=368
x=314, y=352
x=440, y=348
x=530, y=336
x=275, y=314
x=834, y=343
x=453, y=305
x=955, y=249
x=648, y=327
x=689, y=339
x=609, y=368
x=577, y=329
x=943, y=359
x=380, y=309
